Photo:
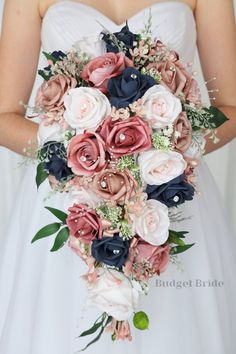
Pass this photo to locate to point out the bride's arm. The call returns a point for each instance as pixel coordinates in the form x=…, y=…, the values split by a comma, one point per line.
x=217, y=50
x=19, y=52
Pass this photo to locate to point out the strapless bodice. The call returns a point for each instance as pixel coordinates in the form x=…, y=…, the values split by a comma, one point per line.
x=67, y=21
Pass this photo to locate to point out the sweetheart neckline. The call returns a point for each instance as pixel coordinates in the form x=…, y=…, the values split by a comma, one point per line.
x=78, y=3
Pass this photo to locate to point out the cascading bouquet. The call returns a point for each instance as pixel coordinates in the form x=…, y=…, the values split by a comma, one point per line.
x=121, y=132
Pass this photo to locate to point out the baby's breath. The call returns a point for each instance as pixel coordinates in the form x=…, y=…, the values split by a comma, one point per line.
x=129, y=163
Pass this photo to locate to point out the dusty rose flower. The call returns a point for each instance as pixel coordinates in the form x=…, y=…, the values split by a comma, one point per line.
x=51, y=93
x=99, y=70
x=192, y=92
x=182, y=133
x=126, y=137
x=177, y=79
x=157, y=256
x=86, y=154
x=84, y=223
x=119, y=329
x=115, y=186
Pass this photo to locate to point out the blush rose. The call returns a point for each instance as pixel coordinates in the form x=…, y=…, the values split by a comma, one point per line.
x=100, y=69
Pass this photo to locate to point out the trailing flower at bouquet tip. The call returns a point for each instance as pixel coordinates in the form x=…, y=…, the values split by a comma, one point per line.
x=121, y=133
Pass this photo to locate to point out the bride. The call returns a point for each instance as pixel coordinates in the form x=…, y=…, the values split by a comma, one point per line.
x=42, y=294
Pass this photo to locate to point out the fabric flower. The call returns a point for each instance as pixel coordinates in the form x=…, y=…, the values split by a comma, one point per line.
x=92, y=45
x=152, y=225
x=86, y=154
x=125, y=36
x=157, y=256
x=158, y=167
x=78, y=194
x=48, y=133
x=126, y=137
x=128, y=87
x=182, y=133
x=173, y=193
x=177, y=79
x=56, y=163
x=112, y=251
x=161, y=107
x=115, y=186
x=100, y=69
x=84, y=223
x=112, y=292
x=50, y=95
x=86, y=107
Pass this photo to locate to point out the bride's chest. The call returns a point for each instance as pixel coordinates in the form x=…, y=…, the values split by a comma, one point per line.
x=67, y=21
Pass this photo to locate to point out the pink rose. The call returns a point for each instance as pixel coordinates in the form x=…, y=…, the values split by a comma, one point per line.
x=86, y=154
x=99, y=70
x=126, y=137
x=84, y=223
x=51, y=93
x=115, y=186
x=182, y=133
x=156, y=256
x=177, y=79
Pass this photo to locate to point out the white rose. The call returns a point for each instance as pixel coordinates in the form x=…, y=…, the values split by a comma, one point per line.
x=49, y=132
x=158, y=167
x=82, y=195
x=153, y=224
x=92, y=45
x=86, y=108
x=113, y=293
x=160, y=106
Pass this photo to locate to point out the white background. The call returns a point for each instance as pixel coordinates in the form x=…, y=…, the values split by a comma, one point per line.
x=222, y=164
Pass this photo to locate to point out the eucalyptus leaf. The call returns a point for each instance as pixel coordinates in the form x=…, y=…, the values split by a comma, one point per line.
x=60, y=239
x=180, y=249
x=58, y=213
x=46, y=231
x=41, y=174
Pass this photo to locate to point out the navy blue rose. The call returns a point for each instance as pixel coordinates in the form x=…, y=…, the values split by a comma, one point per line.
x=58, y=55
x=128, y=87
x=54, y=154
x=125, y=36
x=112, y=251
x=173, y=193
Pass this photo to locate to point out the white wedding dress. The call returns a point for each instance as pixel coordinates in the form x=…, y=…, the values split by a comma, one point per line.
x=41, y=293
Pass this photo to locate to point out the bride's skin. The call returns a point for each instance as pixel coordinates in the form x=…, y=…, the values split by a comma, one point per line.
x=20, y=47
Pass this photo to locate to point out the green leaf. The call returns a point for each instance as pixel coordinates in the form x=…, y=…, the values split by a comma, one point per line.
x=47, y=230
x=99, y=334
x=41, y=174
x=141, y=320
x=60, y=239
x=94, y=340
x=176, y=237
x=92, y=330
x=180, y=249
x=218, y=118
x=44, y=74
x=58, y=213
